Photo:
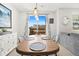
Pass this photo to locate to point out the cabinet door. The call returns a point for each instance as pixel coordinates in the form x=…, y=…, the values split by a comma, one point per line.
x=14, y=38
x=0, y=46
x=0, y=42
x=63, y=39
x=7, y=43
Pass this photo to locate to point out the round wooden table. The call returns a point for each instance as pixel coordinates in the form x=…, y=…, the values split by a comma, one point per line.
x=51, y=48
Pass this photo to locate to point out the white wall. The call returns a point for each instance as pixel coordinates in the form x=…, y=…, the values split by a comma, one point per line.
x=68, y=12
x=14, y=18
x=53, y=27
x=19, y=20
x=23, y=19
x=22, y=23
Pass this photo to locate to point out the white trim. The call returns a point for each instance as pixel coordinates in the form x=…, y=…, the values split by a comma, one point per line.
x=57, y=25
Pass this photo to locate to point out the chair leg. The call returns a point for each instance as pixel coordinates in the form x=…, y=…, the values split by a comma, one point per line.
x=55, y=54
x=21, y=54
x=46, y=55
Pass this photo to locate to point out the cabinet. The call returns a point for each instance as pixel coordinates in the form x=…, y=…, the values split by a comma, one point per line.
x=70, y=42
x=7, y=43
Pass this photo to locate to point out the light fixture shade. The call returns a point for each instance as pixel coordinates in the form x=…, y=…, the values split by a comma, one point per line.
x=35, y=11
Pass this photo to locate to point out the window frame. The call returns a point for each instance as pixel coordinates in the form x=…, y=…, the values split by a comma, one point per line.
x=45, y=22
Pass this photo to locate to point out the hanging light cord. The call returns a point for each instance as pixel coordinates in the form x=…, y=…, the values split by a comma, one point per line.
x=36, y=6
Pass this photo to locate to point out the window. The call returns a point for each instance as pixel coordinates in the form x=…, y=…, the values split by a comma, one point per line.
x=32, y=24
x=76, y=22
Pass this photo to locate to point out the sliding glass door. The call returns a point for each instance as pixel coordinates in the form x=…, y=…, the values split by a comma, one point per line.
x=37, y=26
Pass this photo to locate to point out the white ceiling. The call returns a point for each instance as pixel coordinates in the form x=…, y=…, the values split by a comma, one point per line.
x=24, y=7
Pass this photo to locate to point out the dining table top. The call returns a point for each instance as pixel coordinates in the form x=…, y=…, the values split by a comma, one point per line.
x=24, y=46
